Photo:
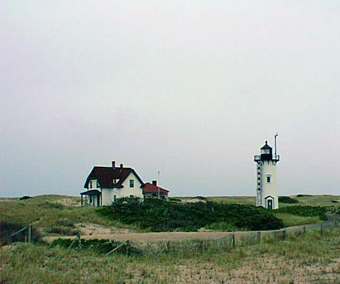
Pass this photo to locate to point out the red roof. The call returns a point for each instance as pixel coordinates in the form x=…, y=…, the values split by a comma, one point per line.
x=151, y=188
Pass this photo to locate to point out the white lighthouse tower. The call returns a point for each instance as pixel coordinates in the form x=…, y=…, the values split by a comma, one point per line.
x=266, y=193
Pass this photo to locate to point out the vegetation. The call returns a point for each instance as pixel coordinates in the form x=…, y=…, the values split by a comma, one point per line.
x=303, y=199
x=62, y=215
x=97, y=246
x=295, y=220
x=54, y=214
x=304, y=211
x=10, y=232
x=307, y=258
x=158, y=215
x=287, y=199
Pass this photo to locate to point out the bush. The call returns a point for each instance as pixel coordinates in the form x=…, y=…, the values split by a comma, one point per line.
x=60, y=230
x=25, y=197
x=64, y=227
x=304, y=195
x=7, y=229
x=158, y=215
x=261, y=222
x=222, y=226
x=98, y=246
x=287, y=199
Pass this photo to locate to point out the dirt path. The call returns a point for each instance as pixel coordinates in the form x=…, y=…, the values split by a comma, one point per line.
x=99, y=232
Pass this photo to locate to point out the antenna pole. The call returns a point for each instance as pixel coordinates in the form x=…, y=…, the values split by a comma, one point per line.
x=275, y=136
x=159, y=194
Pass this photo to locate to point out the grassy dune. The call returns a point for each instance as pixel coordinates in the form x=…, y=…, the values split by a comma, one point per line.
x=52, y=211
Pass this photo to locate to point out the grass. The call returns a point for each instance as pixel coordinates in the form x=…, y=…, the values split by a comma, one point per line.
x=306, y=258
x=311, y=200
x=294, y=220
x=48, y=213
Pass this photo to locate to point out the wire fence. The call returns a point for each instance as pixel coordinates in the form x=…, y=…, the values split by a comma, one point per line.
x=229, y=241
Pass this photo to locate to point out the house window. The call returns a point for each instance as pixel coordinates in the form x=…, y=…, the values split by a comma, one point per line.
x=97, y=184
x=132, y=183
x=268, y=178
x=90, y=186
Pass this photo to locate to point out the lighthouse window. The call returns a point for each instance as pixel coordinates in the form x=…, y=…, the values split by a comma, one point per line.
x=268, y=179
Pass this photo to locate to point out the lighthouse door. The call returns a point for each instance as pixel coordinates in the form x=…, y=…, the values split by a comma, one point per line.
x=270, y=204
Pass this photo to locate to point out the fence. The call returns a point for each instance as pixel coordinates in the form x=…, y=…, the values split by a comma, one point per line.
x=225, y=243
x=231, y=240
x=20, y=234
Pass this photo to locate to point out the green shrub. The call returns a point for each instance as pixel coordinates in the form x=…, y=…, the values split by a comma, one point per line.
x=222, y=226
x=287, y=199
x=7, y=229
x=304, y=195
x=261, y=222
x=64, y=227
x=158, y=215
x=25, y=197
x=98, y=246
x=60, y=230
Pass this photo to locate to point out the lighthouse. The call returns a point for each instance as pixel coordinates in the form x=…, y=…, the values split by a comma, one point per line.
x=266, y=193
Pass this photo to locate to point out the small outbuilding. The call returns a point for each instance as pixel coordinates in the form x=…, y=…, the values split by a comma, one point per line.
x=152, y=190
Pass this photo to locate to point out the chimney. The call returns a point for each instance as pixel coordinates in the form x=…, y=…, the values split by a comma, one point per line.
x=113, y=164
x=121, y=166
x=154, y=182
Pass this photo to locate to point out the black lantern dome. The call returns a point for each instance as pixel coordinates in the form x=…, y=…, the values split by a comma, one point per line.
x=266, y=152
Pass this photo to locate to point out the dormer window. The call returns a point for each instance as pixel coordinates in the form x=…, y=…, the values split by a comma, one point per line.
x=265, y=151
x=115, y=180
x=90, y=184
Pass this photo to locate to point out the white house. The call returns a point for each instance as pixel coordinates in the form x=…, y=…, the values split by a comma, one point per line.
x=105, y=184
x=266, y=193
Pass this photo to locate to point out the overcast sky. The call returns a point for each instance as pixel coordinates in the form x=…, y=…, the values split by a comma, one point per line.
x=188, y=88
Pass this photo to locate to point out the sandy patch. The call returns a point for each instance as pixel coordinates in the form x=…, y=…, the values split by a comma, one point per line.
x=89, y=229
x=74, y=202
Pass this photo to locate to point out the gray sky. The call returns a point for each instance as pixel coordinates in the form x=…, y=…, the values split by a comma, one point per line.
x=188, y=88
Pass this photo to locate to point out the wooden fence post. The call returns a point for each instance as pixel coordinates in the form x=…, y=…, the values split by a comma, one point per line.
x=259, y=236
x=233, y=241
x=321, y=229
x=284, y=234
x=30, y=233
x=127, y=247
x=304, y=229
x=168, y=246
